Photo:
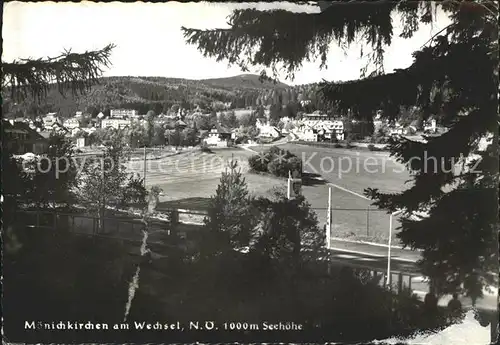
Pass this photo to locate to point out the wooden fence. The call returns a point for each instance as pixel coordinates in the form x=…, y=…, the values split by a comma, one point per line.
x=127, y=228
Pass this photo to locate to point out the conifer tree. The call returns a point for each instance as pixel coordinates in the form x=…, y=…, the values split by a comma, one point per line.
x=289, y=230
x=451, y=216
x=52, y=185
x=32, y=78
x=104, y=180
x=229, y=221
x=150, y=117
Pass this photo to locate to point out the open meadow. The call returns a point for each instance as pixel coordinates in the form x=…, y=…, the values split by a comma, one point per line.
x=354, y=171
x=190, y=178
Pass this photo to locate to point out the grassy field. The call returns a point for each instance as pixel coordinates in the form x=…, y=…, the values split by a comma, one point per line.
x=189, y=179
x=353, y=170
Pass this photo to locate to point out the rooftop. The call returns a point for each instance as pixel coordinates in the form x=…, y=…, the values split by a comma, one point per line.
x=44, y=134
x=22, y=126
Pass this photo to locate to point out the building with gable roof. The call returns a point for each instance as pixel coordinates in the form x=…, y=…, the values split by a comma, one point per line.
x=219, y=136
x=19, y=138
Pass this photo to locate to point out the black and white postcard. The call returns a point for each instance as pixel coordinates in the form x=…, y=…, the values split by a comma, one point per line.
x=216, y=172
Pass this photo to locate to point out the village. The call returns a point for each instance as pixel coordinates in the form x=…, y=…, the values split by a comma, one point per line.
x=31, y=135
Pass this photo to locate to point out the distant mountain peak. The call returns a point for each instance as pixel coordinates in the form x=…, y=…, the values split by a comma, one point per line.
x=244, y=80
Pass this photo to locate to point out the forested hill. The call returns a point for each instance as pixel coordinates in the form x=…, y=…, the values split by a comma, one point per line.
x=249, y=81
x=159, y=94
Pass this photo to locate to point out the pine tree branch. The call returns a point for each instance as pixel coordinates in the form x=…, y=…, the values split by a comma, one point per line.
x=68, y=71
x=433, y=37
x=278, y=37
x=431, y=82
x=494, y=4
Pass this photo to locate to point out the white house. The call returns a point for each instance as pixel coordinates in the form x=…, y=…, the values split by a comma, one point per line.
x=396, y=129
x=115, y=123
x=269, y=132
x=50, y=119
x=316, y=116
x=218, y=136
x=261, y=122
x=322, y=125
x=71, y=123
x=81, y=142
x=335, y=128
x=430, y=126
x=307, y=133
x=116, y=113
x=215, y=141
x=75, y=131
x=89, y=130
x=235, y=132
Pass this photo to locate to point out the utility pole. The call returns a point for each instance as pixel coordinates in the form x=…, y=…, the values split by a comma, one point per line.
x=368, y=221
x=329, y=219
x=144, y=166
x=389, y=280
x=289, y=189
x=389, y=274
x=103, y=199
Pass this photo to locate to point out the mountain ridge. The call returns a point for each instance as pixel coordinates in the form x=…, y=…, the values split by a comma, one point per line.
x=246, y=78
x=154, y=93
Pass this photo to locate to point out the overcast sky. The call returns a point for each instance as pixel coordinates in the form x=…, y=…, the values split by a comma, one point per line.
x=150, y=43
